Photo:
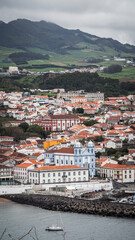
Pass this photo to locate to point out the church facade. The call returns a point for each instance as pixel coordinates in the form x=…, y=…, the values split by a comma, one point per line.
x=77, y=155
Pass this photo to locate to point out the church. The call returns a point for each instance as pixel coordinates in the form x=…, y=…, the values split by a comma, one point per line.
x=78, y=155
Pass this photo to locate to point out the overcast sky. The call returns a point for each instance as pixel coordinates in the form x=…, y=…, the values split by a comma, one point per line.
x=104, y=18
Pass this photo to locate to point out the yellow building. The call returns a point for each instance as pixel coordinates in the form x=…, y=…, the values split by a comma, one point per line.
x=53, y=142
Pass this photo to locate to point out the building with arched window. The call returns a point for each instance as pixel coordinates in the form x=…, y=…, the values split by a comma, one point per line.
x=77, y=155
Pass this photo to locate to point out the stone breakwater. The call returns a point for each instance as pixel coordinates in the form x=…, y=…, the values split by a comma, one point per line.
x=99, y=207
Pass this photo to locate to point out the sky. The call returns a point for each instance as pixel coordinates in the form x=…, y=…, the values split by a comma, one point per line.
x=104, y=18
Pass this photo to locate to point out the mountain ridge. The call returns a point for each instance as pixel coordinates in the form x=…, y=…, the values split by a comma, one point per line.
x=23, y=33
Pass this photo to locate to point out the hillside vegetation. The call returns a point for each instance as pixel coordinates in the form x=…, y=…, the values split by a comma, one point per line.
x=90, y=82
x=34, y=44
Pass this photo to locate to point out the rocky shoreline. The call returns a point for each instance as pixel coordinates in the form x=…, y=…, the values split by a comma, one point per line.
x=98, y=207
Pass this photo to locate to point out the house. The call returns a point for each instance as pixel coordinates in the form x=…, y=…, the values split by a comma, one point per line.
x=21, y=171
x=6, y=175
x=77, y=155
x=120, y=173
x=58, y=174
x=78, y=99
x=6, y=138
x=114, y=144
x=63, y=122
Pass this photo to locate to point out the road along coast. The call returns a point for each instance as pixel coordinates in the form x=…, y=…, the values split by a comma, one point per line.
x=66, y=204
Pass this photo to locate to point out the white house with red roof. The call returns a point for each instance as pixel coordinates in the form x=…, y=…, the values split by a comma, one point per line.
x=58, y=174
x=120, y=173
x=21, y=171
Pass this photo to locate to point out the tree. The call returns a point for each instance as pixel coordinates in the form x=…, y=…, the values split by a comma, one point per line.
x=15, y=132
x=24, y=126
x=99, y=139
x=38, y=130
x=80, y=110
x=114, y=68
x=98, y=154
x=89, y=123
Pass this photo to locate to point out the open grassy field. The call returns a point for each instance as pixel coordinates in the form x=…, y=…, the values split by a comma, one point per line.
x=127, y=73
x=72, y=58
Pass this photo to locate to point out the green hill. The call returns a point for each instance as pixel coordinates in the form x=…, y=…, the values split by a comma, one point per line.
x=47, y=43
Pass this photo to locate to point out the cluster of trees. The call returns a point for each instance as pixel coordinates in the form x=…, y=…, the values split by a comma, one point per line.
x=90, y=82
x=114, y=68
x=23, y=57
x=90, y=122
x=116, y=152
x=24, y=131
x=78, y=110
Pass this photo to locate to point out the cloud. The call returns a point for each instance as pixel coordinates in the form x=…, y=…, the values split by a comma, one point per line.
x=105, y=18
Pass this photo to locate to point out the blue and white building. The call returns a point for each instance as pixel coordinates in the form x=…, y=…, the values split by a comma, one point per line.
x=77, y=155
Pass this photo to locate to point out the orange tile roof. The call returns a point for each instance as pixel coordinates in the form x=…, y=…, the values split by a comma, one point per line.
x=24, y=165
x=118, y=166
x=62, y=150
x=58, y=167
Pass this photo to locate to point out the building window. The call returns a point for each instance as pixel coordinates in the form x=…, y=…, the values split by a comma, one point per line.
x=74, y=179
x=53, y=174
x=84, y=179
x=66, y=162
x=59, y=174
x=84, y=173
x=43, y=175
x=69, y=179
x=79, y=179
x=71, y=162
x=48, y=180
x=43, y=181
x=129, y=176
x=74, y=173
x=57, y=161
x=48, y=174
x=61, y=161
x=59, y=180
x=69, y=173
x=125, y=176
x=79, y=173
x=54, y=180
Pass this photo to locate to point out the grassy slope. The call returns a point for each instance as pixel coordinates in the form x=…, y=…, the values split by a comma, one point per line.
x=74, y=57
x=128, y=73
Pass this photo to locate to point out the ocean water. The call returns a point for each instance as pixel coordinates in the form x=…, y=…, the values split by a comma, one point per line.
x=17, y=220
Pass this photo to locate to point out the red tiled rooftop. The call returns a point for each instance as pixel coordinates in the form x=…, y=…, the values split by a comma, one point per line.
x=118, y=166
x=58, y=167
x=62, y=150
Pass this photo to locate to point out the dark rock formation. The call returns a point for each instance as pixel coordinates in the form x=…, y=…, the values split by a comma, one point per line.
x=100, y=207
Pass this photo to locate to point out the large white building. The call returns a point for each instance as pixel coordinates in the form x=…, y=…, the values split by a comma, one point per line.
x=120, y=173
x=58, y=174
x=77, y=155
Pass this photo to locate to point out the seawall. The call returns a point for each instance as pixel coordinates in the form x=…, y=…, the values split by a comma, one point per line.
x=99, y=207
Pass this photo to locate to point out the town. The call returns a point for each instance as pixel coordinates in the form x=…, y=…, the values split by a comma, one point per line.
x=87, y=140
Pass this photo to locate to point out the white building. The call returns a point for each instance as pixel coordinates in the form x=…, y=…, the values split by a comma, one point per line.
x=5, y=174
x=21, y=172
x=58, y=174
x=120, y=173
x=77, y=155
x=13, y=70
